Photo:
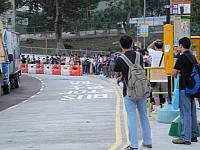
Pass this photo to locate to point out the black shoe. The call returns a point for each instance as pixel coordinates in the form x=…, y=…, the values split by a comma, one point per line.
x=130, y=148
x=147, y=145
x=181, y=141
x=194, y=139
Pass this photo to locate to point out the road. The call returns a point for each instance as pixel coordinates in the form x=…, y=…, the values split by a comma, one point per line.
x=79, y=113
x=71, y=113
x=28, y=87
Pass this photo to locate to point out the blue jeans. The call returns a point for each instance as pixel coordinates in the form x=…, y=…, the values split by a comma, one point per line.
x=131, y=106
x=188, y=117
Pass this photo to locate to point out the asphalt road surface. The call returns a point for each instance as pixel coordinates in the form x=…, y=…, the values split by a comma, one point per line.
x=28, y=87
x=68, y=113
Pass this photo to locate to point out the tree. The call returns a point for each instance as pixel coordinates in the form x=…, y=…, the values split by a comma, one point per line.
x=155, y=7
x=4, y=6
x=123, y=10
x=195, y=17
x=59, y=9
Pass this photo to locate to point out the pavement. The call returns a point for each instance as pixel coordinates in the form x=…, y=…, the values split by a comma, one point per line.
x=75, y=113
x=20, y=94
x=68, y=113
x=160, y=133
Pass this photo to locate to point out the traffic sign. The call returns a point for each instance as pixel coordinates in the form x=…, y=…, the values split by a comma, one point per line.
x=144, y=29
x=181, y=7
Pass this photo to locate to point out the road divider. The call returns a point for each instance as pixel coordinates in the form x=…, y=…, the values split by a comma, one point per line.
x=52, y=69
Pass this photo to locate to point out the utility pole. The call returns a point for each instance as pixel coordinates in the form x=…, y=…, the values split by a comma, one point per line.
x=13, y=15
x=168, y=12
x=169, y=78
x=144, y=14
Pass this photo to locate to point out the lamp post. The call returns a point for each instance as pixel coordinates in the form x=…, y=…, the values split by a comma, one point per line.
x=168, y=12
x=144, y=15
x=13, y=15
x=169, y=78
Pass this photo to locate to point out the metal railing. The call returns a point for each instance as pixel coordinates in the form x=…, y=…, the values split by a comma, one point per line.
x=53, y=51
x=149, y=73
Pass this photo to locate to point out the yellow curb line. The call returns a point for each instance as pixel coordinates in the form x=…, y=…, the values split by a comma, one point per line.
x=118, y=122
x=126, y=127
x=118, y=142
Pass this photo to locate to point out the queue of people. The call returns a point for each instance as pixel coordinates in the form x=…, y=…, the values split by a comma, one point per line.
x=113, y=65
x=153, y=56
x=98, y=64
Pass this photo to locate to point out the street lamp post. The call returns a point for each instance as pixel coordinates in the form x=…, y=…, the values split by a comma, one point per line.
x=169, y=78
x=168, y=12
x=13, y=15
x=144, y=15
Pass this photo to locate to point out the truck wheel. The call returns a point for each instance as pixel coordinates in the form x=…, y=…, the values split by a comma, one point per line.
x=17, y=82
x=6, y=89
x=1, y=91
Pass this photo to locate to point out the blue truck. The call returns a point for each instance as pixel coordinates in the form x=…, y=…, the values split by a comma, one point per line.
x=9, y=61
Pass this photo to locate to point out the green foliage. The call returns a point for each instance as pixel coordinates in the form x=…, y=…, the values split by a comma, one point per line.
x=72, y=12
x=155, y=7
x=4, y=6
x=195, y=18
x=39, y=22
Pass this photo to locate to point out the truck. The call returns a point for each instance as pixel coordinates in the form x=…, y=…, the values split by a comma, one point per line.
x=9, y=60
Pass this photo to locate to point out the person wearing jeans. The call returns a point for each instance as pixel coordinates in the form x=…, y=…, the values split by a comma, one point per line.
x=187, y=104
x=131, y=107
x=188, y=117
x=121, y=73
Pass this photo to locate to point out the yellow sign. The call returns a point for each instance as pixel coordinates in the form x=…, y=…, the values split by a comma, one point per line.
x=168, y=48
x=144, y=29
x=138, y=44
x=196, y=47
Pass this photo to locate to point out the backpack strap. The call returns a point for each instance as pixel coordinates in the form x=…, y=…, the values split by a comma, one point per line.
x=137, y=58
x=128, y=62
x=191, y=58
x=161, y=59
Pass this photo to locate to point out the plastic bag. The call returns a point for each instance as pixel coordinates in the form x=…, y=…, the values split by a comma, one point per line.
x=176, y=98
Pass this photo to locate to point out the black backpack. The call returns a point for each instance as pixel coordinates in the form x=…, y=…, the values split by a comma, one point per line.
x=193, y=81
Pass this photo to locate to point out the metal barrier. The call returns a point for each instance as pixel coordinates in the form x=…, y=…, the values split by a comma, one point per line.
x=156, y=74
x=53, y=51
x=32, y=68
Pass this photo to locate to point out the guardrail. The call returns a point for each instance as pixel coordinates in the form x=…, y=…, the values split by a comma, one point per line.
x=53, y=51
x=156, y=74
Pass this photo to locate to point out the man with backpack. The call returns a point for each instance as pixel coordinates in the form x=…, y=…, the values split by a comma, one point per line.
x=129, y=70
x=184, y=66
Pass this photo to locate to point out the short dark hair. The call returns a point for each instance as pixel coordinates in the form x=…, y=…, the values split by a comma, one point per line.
x=185, y=42
x=159, y=44
x=126, y=42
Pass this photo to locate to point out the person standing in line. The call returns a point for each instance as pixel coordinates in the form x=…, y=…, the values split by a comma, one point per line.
x=155, y=50
x=121, y=73
x=188, y=114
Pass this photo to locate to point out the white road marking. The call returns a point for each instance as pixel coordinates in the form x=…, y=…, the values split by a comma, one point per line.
x=32, y=96
x=13, y=107
x=25, y=101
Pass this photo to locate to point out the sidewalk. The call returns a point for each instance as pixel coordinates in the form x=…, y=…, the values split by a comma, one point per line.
x=162, y=140
x=160, y=133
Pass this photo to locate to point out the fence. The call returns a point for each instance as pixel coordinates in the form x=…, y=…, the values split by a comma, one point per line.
x=53, y=51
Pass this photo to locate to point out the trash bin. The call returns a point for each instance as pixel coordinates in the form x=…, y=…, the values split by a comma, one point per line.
x=196, y=46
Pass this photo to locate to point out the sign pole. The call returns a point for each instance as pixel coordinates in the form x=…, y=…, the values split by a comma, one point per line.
x=168, y=46
x=144, y=39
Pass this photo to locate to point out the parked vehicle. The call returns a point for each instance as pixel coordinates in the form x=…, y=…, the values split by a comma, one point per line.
x=9, y=60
